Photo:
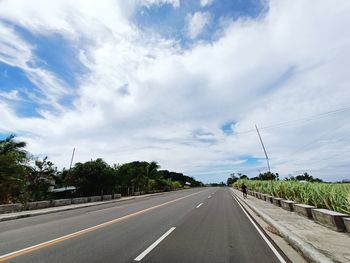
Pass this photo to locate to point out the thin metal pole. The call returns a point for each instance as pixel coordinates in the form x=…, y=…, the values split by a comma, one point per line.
x=263, y=146
x=71, y=161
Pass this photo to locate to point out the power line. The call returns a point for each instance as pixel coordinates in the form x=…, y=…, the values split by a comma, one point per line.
x=320, y=137
x=284, y=123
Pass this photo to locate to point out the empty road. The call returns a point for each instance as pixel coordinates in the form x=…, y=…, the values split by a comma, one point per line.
x=196, y=225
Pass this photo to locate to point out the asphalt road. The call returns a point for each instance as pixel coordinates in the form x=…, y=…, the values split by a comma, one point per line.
x=196, y=225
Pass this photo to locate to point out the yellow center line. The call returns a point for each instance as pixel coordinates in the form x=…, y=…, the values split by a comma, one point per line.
x=84, y=231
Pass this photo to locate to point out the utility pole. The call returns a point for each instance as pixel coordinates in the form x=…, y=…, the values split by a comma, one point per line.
x=70, y=166
x=71, y=161
x=263, y=146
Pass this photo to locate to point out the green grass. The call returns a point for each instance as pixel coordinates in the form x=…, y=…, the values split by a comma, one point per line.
x=332, y=196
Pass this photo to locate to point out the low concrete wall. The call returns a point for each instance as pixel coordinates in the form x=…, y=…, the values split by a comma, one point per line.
x=10, y=208
x=61, y=202
x=117, y=196
x=94, y=198
x=277, y=201
x=331, y=219
x=304, y=210
x=106, y=197
x=30, y=206
x=264, y=196
x=37, y=205
x=269, y=199
x=80, y=200
x=347, y=223
x=287, y=205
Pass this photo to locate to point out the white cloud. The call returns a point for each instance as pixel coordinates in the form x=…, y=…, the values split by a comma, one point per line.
x=196, y=23
x=11, y=95
x=288, y=65
x=174, y=3
x=206, y=2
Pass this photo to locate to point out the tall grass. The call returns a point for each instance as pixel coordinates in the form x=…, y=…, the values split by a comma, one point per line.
x=332, y=196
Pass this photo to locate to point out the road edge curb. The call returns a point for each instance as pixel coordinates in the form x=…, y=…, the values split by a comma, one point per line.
x=306, y=249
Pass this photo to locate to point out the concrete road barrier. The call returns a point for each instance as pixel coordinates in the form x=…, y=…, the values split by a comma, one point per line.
x=10, y=208
x=347, y=223
x=269, y=199
x=331, y=219
x=94, y=198
x=287, y=205
x=37, y=205
x=263, y=196
x=61, y=202
x=42, y=204
x=80, y=200
x=277, y=201
x=106, y=197
x=30, y=206
x=117, y=196
x=304, y=210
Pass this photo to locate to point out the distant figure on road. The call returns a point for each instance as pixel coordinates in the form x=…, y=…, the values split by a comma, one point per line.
x=244, y=190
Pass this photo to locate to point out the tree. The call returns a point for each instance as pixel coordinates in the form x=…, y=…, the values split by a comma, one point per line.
x=153, y=174
x=13, y=169
x=10, y=146
x=229, y=181
x=152, y=169
x=133, y=176
x=307, y=177
x=267, y=176
x=41, y=176
x=93, y=178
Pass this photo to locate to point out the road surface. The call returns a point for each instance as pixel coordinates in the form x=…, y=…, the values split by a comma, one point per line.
x=196, y=225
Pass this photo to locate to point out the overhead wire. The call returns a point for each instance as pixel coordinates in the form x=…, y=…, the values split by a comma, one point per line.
x=289, y=122
x=308, y=118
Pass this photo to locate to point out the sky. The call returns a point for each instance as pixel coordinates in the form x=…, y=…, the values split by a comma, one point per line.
x=180, y=82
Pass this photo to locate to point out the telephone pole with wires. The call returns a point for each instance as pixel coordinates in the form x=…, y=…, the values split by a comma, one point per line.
x=263, y=146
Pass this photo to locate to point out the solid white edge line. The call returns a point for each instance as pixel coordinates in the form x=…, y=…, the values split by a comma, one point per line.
x=198, y=206
x=274, y=250
x=151, y=247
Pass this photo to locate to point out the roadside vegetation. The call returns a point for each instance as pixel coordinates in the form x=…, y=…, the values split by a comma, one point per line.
x=24, y=178
x=332, y=196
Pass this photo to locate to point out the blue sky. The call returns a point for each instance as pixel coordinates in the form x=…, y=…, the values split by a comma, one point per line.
x=180, y=82
x=170, y=21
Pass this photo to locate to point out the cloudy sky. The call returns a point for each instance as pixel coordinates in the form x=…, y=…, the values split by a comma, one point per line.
x=181, y=82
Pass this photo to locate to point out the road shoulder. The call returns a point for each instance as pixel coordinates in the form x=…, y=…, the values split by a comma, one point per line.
x=274, y=235
x=315, y=242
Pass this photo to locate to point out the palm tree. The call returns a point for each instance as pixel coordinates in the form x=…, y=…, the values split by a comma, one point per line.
x=151, y=169
x=10, y=146
x=12, y=169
